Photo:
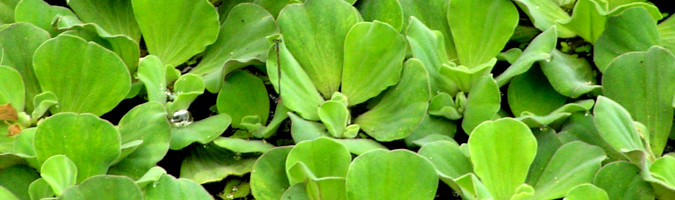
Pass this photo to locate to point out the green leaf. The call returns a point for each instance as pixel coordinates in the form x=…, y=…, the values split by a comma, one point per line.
x=18, y=42
x=616, y=127
x=39, y=189
x=42, y=103
x=63, y=63
x=122, y=45
x=582, y=127
x=151, y=176
x=6, y=194
x=327, y=188
x=360, y=146
x=268, y=177
x=443, y=105
x=299, y=94
x=387, y=11
x=427, y=46
x=432, y=125
x=449, y=161
x=296, y=192
x=586, y=191
x=546, y=14
x=572, y=164
x=377, y=175
x=548, y=143
x=40, y=13
x=315, y=34
x=104, y=187
x=302, y=129
x=335, y=116
x=433, y=14
x=152, y=73
x=322, y=156
x=202, y=131
x=210, y=163
x=501, y=153
x=539, y=49
x=569, y=75
x=557, y=116
x=186, y=88
x=7, y=11
x=401, y=108
x=59, y=172
x=239, y=145
x=170, y=188
x=666, y=31
x=371, y=48
x=241, y=41
x=642, y=82
x=621, y=180
x=531, y=92
x=16, y=179
x=466, y=77
x=662, y=173
x=13, y=89
x=631, y=30
x=115, y=17
x=483, y=103
x=90, y=142
x=146, y=122
x=480, y=39
x=588, y=19
x=172, y=36
x=243, y=94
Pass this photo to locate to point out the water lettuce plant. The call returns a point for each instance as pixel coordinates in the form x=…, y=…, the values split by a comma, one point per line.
x=337, y=99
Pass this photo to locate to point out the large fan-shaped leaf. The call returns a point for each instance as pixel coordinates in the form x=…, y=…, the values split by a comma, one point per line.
x=243, y=94
x=315, y=33
x=63, y=63
x=387, y=11
x=170, y=188
x=322, y=156
x=433, y=14
x=175, y=30
x=104, y=187
x=115, y=17
x=268, y=178
x=622, y=181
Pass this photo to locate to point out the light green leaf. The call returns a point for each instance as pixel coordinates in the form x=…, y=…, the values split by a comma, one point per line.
x=548, y=143
x=465, y=77
x=172, y=36
x=546, y=14
x=13, y=90
x=616, y=126
x=268, y=177
x=104, y=187
x=480, y=39
x=427, y=46
x=449, y=161
x=6, y=194
x=371, y=48
x=243, y=94
x=581, y=127
x=377, y=175
x=501, y=153
x=296, y=192
x=327, y=188
x=433, y=14
x=335, y=116
x=239, y=145
x=152, y=73
x=302, y=129
x=631, y=30
x=299, y=94
x=59, y=172
x=661, y=173
x=17, y=179
x=39, y=189
x=666, y=31
x=170, y=188
x=210, y=163
x=90, y=142
x=387, y=11
x=115, y=17
x=432, y=125
x=7, y=11
x=539, y=49
x=202, y=131
x=315, y=34
x=186, y=89
x=40, y=13
x=401, y=108
x=146, y=122
x=483, y=103
x=42, y=103
x=557, y=116
x=572, y=164
x=18, y=42
x=569, y=75
x=621, y=180
x=241, y=41
x=642, y=82
x=531, y=92
x=360, y=146
x=586, y=191
x=63, y=63
x=442, y=105
x=322, y=156
x=588, y=19
x=151, y=176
